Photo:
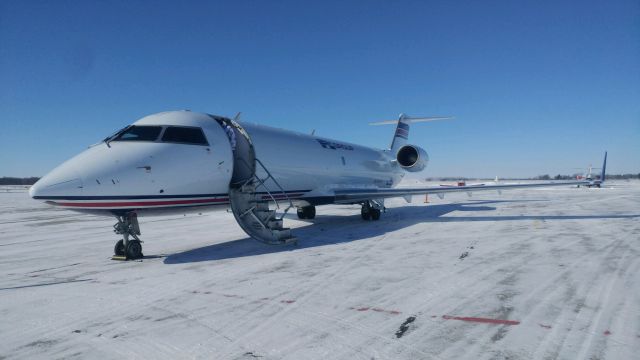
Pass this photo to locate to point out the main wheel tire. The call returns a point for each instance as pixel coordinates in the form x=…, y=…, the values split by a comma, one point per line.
x=134, y=250
x=309, y=212
x=375, y=214
x=119, y=248
x=365, y=213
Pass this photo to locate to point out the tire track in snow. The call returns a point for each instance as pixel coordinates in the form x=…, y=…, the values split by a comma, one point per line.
x=549, y=291
x=476, y=286
x=604, y=298
x=311, y=288
x=564, y=324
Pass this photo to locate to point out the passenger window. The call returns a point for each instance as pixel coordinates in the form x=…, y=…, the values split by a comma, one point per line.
x=139, y=133
x=184, y=135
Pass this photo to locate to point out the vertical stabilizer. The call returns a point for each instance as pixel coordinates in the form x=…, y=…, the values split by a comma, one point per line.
x=604, y=168
x=401, y=135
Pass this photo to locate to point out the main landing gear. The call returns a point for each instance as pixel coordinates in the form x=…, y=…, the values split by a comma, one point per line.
x=127, y=249
x=371, y=211
x=307, y=212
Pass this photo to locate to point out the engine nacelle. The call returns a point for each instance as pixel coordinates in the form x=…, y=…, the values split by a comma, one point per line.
x=412, y=158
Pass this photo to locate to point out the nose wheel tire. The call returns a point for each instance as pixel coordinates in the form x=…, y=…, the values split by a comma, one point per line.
x=134, y=250
x=307, y=212
x=118, y=250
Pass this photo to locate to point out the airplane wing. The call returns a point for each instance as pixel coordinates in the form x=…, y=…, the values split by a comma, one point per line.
x=350, y=196
x=357, y=195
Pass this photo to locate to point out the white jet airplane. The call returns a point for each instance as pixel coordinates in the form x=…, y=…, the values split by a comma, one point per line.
x=180, y=161
x=588, y=176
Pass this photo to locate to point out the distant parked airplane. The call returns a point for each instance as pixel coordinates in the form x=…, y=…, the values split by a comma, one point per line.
x=588, y=176
x=179, y=161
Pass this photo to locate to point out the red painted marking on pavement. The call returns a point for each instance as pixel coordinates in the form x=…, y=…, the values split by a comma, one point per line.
x=366, y=308
x=287, y=301
x=545, y=326
x=481, y=320
x=607, y=333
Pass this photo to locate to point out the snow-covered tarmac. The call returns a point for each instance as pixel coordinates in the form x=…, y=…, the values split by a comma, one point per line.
x=531, y=274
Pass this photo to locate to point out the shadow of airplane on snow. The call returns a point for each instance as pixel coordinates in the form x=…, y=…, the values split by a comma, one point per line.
x=334, y=229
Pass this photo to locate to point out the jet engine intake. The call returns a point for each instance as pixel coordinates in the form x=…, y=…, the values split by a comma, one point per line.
x=412, y=158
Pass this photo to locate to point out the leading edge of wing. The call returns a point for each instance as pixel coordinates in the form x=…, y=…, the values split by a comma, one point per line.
x=350, y=195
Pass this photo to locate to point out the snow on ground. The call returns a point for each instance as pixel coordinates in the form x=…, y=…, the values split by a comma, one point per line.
x=531, y=274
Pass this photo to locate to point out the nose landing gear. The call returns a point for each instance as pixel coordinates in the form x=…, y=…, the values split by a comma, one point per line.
x=127, y=249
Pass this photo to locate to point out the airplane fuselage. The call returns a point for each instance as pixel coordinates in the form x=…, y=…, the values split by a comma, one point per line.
x=175, y=174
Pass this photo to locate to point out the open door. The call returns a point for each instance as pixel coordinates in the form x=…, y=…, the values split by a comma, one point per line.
x=244, y=156
x=251, y=208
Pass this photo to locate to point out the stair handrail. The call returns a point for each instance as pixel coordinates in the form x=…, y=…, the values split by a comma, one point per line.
x=277, y=184
x=267, y=189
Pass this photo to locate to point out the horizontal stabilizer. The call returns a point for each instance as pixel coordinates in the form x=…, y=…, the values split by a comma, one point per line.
x=407, y=119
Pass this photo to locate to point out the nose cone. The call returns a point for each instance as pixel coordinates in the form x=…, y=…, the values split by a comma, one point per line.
x=63, y=181
x=45, y=188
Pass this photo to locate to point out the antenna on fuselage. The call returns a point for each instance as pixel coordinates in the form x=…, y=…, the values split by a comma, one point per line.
x=237, y=117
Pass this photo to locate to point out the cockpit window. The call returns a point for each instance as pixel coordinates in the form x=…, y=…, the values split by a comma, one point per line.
x=139, y=133
x=184, y=135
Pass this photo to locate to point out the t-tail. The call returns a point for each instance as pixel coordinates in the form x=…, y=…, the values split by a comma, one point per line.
x=401, y=134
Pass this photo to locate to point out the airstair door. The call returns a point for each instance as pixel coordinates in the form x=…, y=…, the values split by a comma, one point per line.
x=255, y=211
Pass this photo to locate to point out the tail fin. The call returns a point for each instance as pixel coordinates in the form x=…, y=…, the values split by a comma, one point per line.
x=604, y=168
x=401, y=135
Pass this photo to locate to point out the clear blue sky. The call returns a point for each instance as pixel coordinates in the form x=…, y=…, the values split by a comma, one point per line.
x=536, y=86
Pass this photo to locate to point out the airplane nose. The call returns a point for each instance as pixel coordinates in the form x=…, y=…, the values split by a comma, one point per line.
x=46, y=188
x=62, y=181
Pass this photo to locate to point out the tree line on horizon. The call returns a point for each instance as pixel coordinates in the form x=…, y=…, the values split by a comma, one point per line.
x=18, y=181
x=597, y=176
x=541, y=177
